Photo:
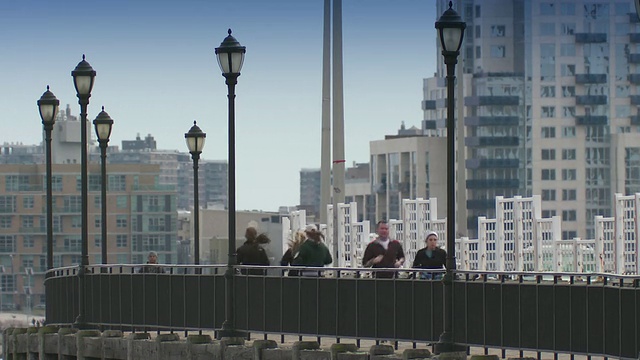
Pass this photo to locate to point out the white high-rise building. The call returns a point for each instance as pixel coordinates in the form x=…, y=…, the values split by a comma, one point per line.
x=547, y=103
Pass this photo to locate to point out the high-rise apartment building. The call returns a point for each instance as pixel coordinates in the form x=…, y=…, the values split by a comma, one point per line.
x=310, y=192
x=547, y=103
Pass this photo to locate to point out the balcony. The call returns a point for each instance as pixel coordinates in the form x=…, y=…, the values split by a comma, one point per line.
x=491, y=163
x=591, y=78
x=493, y=184
x=480, y=141
x=592, y=120
x=428, y=105
x=591, y=38
x=491, y=100
x=492, y=121
x=591, y=100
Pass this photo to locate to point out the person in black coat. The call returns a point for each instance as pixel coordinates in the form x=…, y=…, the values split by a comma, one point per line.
x=430, y=257
x=251, y=253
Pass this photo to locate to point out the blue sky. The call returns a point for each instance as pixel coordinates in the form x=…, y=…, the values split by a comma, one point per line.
x=157, y=73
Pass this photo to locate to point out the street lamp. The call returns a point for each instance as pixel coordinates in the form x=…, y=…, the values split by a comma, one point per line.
x=48, y=106
x=28, y=291
x=230, y=58
x=103, y=124
x=83, y=79
x=637, y=4
x=195, y=142
x=451, y=32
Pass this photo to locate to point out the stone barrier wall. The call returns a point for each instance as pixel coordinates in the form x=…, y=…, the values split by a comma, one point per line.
x=48, y=343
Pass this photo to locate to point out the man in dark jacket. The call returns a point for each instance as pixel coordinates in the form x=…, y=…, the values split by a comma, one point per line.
x=383, y=252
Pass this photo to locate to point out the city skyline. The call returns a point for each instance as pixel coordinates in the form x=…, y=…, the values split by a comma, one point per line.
x=157, y=73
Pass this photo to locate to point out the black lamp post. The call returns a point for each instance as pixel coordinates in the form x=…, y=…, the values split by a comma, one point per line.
x=230, y=58
x=103, y=124
x=195, y=142
x=83, y=79
x=637, y=4
x=48, y=106
x=451, y=32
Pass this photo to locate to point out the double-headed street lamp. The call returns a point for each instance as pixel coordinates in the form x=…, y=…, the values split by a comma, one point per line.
x=103, y=124
x=451, y=32
x=48, y=106
x=195, y=142
x=83, y=79
x=230, y=58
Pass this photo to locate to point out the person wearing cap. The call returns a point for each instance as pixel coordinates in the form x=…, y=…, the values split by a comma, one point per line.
x=152, y=265
x=312, y=253
x=383, y=252
x=430, y=257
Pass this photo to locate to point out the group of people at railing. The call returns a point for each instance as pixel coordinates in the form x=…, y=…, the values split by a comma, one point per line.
x=307, y=250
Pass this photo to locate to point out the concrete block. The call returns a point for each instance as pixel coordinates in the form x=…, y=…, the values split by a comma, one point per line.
x=138, y=345
x=114, y=347
x=112, y=334
x=409, y=354
x=33, y=342
x=381, y=350
x=352, y=356
x=461, y=355
x=68, y=345
x=198, y=347
x=393, y=356
x=260, y=345
x=48, y=342
x=277, y=354
x=238, y=352
x=172, y=350
x=529, y=358
x=484, y=357
x=303, y=345
x=314, y=355
x=341, y=348
x=212, y=351
x=89, y=344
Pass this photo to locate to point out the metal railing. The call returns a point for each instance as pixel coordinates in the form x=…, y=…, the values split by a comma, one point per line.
x=577, y=313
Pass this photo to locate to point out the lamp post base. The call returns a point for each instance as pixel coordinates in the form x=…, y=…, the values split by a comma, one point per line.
x=448, y=347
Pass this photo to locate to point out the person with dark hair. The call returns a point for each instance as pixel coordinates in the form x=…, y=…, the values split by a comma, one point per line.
x=430, y=257
x=151, y=268
x=251, y=253
x=383, y=252
x=313, y=252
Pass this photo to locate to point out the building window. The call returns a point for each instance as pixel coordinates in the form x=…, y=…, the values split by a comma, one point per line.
x=548, y=112
x=568, y=131
x=478, y=52
x=27, y=241
x=8, y=283
x=568, y=154
x=117, y=183
x=548, y=174
x=547, y=8
x=546, y=214
x=28, y=202
x=121, y=241
x=549, y=195
x=569, y=234
x=568, y=174
x=567, y=69
x=568, y=215
x=5, y=221
x=498, y=51
x=97, y=221
x=547, y=91
x=568, y=112
x=567, y=29
x=7, y=243
x=569, y=194
x=27, y=221
x=97, y=240
x=121, y=221
x=548, y=132
x=498, y=30
x=547, y=29
x=477, y=31
x=567, y=8
x=567, y=49
x=548, y=154
x=76, y=222
x=477, y=12
x=121, y=201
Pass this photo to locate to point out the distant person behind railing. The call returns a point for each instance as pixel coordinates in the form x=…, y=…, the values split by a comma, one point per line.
x=294, y=244
x=383, y=252
x=152, y=259
x=251, y=253
x=430, y=257
x=313, y=252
